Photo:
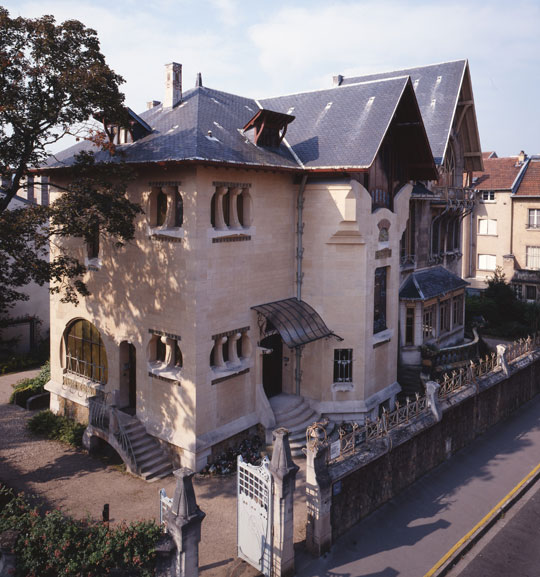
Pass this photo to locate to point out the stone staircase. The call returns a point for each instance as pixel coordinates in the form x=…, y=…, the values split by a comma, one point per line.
x=152, y=463
x=295, y=414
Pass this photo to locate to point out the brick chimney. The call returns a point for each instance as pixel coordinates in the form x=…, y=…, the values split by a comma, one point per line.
x=173, y=84
x=522, y=157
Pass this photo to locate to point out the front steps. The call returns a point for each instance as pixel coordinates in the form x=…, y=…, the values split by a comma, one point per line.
x=152, y=463
x=294, y=414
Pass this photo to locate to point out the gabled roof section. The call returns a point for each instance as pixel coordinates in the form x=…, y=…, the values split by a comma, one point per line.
x=343, y=128
x=529, y=185
x=499, y=174
x=206, y=126
x=444, y=94
x=430, y=283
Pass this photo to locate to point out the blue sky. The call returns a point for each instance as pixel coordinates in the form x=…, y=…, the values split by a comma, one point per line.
x=262, y=48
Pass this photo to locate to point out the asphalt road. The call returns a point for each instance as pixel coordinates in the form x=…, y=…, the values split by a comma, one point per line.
x=407, y=536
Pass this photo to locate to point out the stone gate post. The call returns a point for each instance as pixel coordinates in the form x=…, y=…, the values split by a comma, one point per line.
x=283, y=471
x=319, y=499
x=183, y=522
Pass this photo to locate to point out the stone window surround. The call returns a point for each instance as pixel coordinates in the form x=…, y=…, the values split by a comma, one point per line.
x=234, y=228
x=166, y=369
x=235, y=364
x=168, y=229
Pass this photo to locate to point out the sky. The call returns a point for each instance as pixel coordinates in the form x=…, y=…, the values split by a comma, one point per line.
x=262, y=48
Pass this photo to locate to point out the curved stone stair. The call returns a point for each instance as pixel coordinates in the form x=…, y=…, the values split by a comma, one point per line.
x=151, y=460
x=295, y=414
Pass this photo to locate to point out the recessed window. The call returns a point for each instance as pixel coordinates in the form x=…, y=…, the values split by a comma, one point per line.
x=379, y=311
x=487, y=226
x=444, y=313
x=231, y=208
x=487, y=261
x=85, y=352
x=530, y=292
x=231, y=351
x=533, y=257
x=428, y=331
x=164, y=355
x=457, y=310
x=409, y=326
x=488, y=196
x=165, y=211
x=343, y=360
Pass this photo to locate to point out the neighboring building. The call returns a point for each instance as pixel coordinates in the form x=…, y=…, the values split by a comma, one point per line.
x=432, y=291
x=507, y=224
x=28, y=321
x=270, y=258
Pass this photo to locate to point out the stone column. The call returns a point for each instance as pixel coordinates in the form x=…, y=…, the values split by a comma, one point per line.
x=319, y=500
x=233, y=349
x=183, y=522
x=283, y=470
x=170, y=191
x=234, y=222
x=219, y=224
x=219, y=363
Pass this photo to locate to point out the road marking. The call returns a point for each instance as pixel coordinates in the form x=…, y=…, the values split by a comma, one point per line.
x=495, y=511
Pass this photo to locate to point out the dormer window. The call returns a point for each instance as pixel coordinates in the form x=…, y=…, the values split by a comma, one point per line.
x=129, y=130
x=270, y=127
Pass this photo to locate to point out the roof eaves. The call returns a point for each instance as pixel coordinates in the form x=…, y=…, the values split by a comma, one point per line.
x=465, y=64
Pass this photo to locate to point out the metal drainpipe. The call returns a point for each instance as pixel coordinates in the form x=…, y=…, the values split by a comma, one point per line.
x=299, y=273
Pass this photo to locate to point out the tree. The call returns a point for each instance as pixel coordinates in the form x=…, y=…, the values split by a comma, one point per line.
x=53, y=79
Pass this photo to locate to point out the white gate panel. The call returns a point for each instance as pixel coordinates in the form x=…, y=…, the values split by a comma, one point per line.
x=254, y=514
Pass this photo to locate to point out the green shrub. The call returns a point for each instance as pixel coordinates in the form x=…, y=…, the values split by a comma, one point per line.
x=27, y=388
x=53, y=544
x=57, y=428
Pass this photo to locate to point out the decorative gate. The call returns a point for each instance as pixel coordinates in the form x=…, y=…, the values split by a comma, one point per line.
x=254, y=515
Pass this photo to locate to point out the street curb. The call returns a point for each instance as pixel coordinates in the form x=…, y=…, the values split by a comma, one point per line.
x=466, y=543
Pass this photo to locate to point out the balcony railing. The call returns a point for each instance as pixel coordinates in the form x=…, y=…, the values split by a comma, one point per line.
x=454, y=193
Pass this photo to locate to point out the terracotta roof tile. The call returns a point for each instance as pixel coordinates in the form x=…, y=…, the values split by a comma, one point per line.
x=499, y=174
x=530, y=184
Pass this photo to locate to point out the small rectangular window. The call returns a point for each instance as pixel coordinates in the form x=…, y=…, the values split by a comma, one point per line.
x=457, y=311
x=534, y=217
x=533, y=257
x=488, y=196
x=343, y=365
x=530, y=292
x=487, y=261
x=444, y=311
x=487, y=226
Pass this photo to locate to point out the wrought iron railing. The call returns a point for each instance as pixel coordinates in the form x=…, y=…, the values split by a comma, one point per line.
x=123, y=439
x=454, y=193
x=164, y=504
x=91, y=371
x=353, y=437
x=99, y=413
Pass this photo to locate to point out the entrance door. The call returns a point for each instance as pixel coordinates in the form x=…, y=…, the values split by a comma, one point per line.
x=128, y=378
x=273, y=365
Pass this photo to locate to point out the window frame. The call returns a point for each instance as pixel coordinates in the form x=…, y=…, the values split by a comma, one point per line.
x=87, y=347
x=491, y=223
x=534, y=222
x=535, y=258
x=488, y=196
x=380, y=298
x=343, y=366
x=493, y=256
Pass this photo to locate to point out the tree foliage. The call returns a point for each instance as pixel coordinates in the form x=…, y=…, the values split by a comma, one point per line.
x=53, y=77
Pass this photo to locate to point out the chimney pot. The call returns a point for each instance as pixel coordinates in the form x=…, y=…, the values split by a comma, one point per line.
x=337, y=80
x=173, y=85
x=152, y=104
x=522, y=156
x=198, y=81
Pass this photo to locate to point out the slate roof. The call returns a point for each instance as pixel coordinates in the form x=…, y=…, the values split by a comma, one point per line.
x=340, y=128
x=530, y=183
x=429, y=283
x=437, y=89
x=205, y=126
x=498, y=174
x=332, y=129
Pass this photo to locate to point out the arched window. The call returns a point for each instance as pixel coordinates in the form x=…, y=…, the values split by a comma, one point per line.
x=85, y=352
x=161, y=216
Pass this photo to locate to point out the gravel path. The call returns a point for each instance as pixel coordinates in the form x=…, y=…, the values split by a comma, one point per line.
x=80, y=485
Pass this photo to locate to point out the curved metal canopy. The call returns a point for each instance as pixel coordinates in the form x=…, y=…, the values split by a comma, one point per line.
x=296, y=321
